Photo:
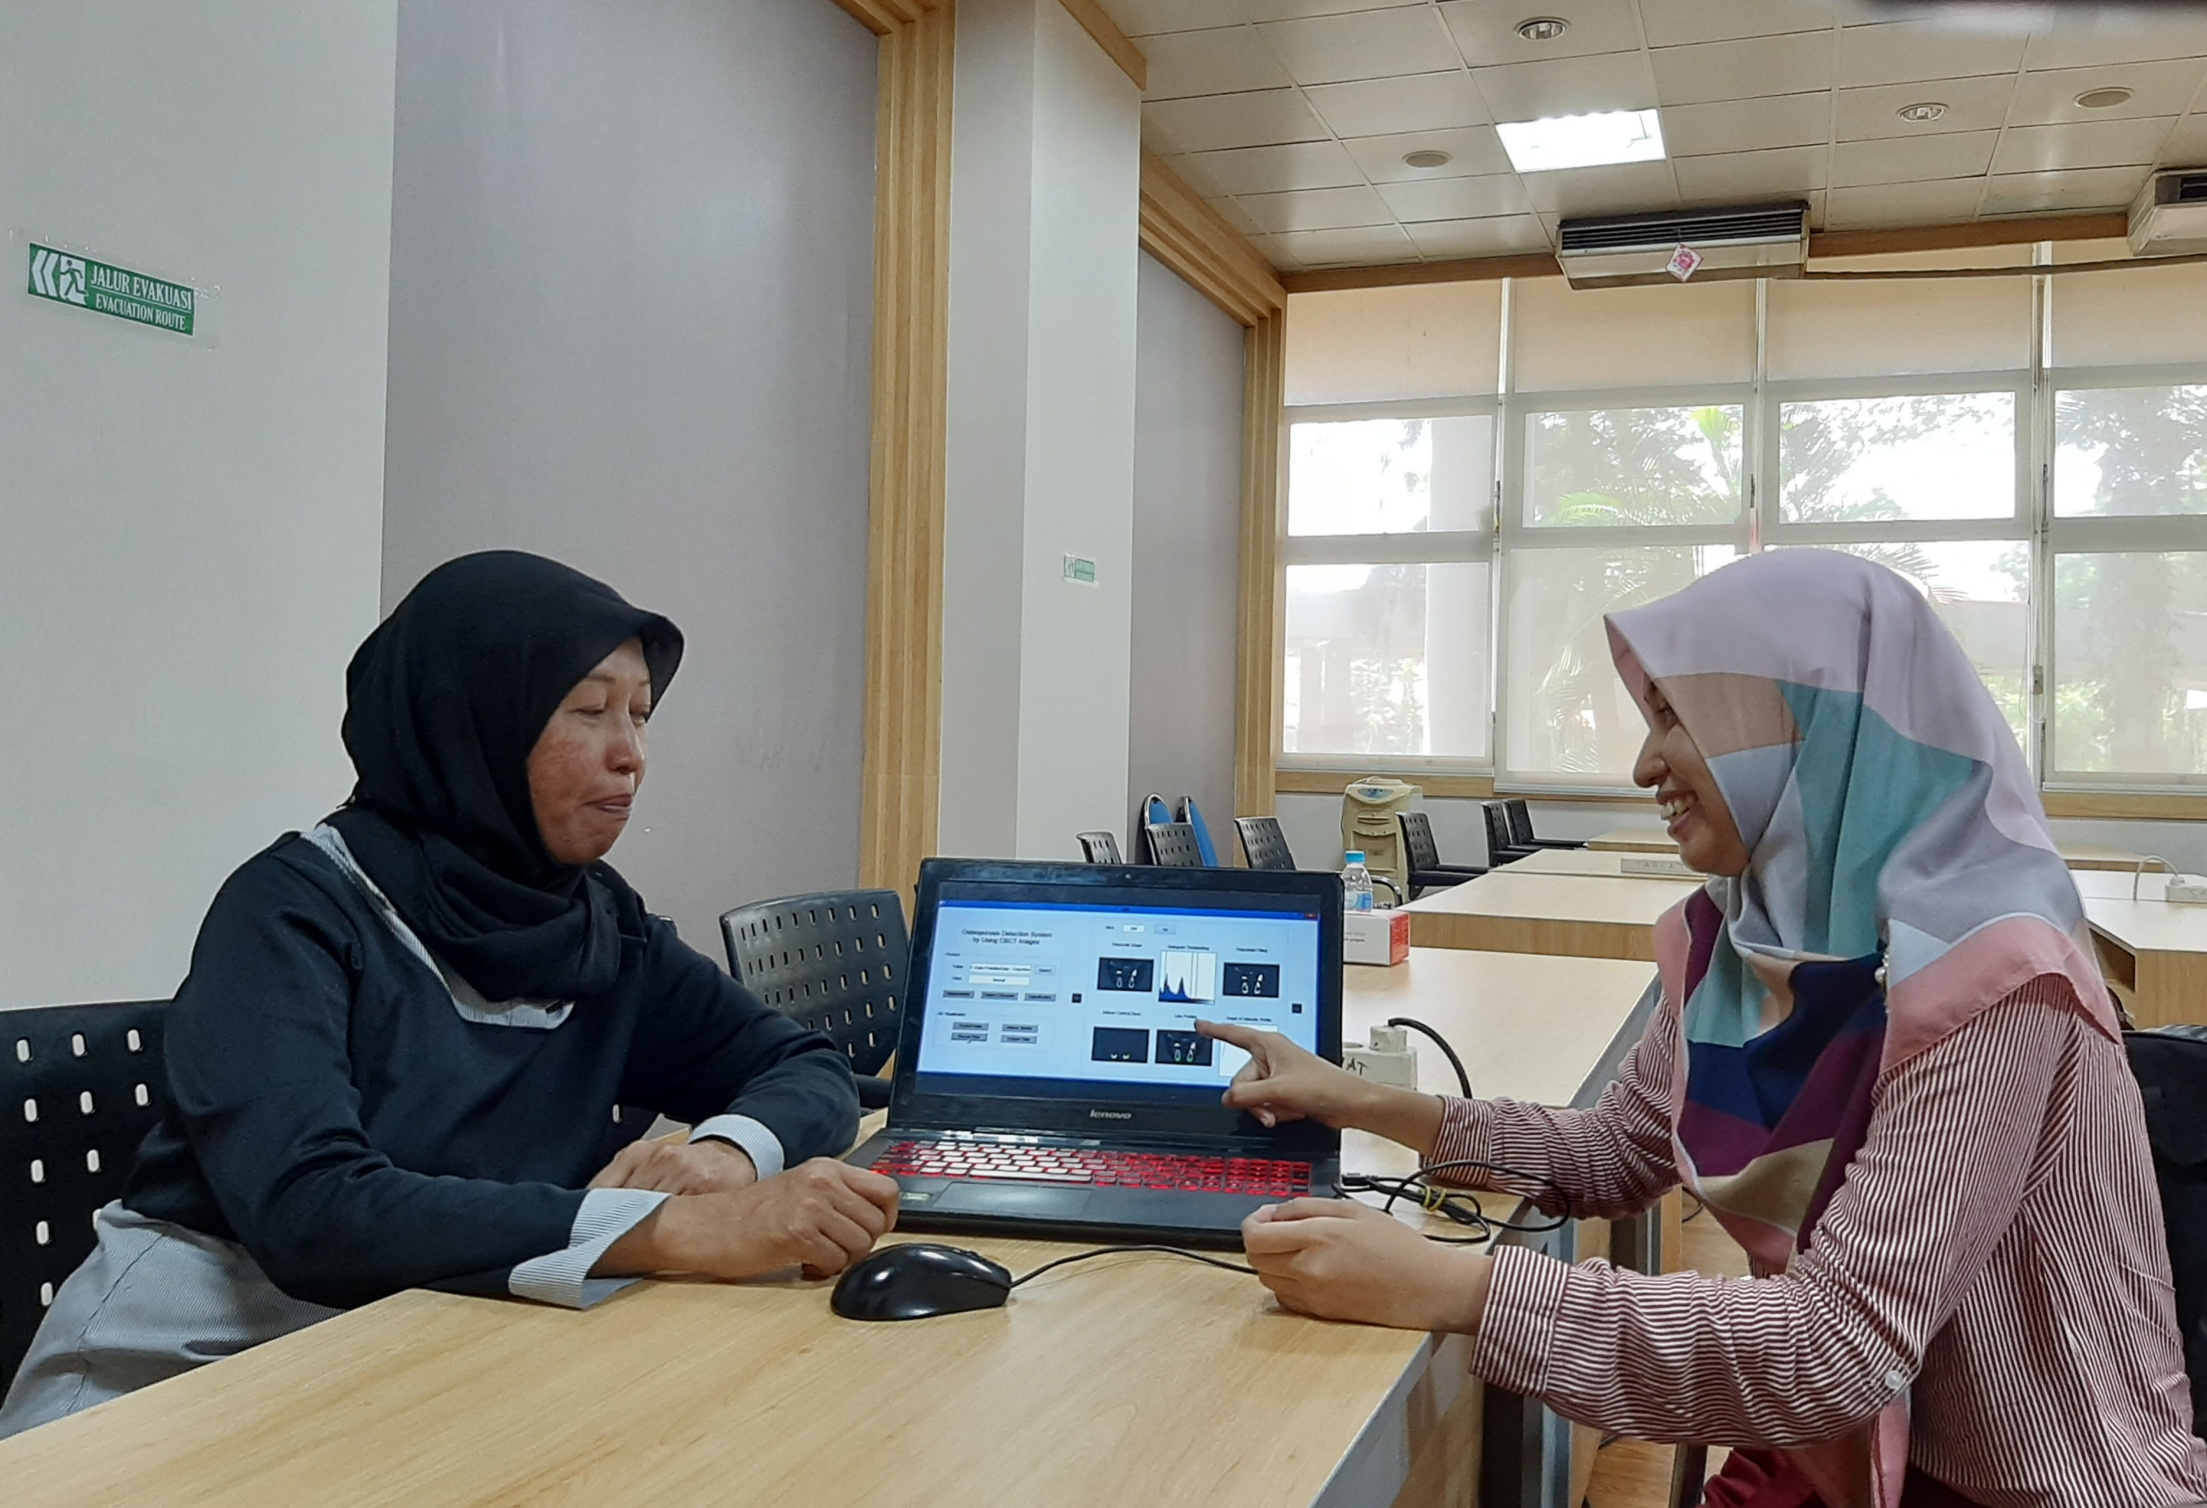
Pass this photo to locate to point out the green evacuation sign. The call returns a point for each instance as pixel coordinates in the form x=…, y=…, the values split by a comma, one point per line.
x=110, y=290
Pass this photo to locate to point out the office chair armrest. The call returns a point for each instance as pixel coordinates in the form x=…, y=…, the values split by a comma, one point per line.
x=1392, y=888
x=873, y=1092
x=1556, y=843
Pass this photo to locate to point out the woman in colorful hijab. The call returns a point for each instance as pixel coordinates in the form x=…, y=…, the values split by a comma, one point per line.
x=419, y=1044
x=1883, y=1059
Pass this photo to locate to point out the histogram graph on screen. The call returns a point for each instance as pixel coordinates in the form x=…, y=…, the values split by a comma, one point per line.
x=1186, y=976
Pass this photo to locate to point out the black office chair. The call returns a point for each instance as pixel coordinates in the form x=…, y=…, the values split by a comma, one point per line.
x=834, y=962
x=1501, y=847
x=1173, y=845
x=1521, y=829
x=1427, y=872
x=1099, y=848
x=80, y=1085
x=1263, y=844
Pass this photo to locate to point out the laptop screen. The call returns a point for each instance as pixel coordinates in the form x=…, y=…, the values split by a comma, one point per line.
x=1047, y=995
x=1111, y=992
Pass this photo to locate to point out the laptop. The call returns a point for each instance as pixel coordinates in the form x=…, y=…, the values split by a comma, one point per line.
x=1050, y=1080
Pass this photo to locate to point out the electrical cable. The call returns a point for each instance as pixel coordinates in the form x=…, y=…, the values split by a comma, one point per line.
x=1458, y=1206
x=1113, y=1251
x=1463, y=1079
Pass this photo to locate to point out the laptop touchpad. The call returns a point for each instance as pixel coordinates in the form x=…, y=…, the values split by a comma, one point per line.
x=1010, y=1199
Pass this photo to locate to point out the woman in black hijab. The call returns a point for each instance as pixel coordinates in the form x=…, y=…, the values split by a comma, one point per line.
x=418, y=1044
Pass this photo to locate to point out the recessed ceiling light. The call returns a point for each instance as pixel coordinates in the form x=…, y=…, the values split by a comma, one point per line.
x=2102, y=99
x=1543, y=28
x=1920, y=112
x=1427, y=158
x=1582, y=141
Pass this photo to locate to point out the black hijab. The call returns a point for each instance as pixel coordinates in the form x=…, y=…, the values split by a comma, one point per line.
x=443, y=703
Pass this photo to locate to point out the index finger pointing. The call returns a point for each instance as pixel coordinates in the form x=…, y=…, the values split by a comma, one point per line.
x=1243, y=1037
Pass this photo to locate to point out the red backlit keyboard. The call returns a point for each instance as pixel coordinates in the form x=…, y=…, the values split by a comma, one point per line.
x=1026, y=1163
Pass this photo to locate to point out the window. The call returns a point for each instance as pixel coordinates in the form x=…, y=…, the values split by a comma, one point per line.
x=1452, y=552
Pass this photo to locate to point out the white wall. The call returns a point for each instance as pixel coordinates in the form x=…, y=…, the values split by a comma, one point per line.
x=1187, y=550
x=631, y=316
x=190, y=524
x=1044, y=198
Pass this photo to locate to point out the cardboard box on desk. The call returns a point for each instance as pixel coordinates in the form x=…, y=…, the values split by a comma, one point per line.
x=1375, y=937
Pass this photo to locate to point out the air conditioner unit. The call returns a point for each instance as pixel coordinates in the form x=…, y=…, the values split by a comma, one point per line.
x=2169, y=216
x=1617, y=251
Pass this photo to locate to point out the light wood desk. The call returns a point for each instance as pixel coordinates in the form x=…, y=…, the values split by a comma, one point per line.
x=1133, y=1380
x=1583, y=915
x=1633, y=840
x=2154, y=953
x=2087, y=856
x=1607, y=863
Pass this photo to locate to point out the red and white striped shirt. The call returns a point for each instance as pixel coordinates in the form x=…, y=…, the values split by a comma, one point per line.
x=1996, y=1249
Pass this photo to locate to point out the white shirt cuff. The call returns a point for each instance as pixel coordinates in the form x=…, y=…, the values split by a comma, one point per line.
x=563, y=1277
x=762, y=1146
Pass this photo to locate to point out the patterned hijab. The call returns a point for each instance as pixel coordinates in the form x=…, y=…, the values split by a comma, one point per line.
x=1901, y=877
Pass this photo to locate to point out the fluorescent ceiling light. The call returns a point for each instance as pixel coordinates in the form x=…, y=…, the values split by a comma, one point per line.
x=1582, y=141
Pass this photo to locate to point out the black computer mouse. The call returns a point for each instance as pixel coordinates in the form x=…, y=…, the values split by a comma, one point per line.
x=917, y=1280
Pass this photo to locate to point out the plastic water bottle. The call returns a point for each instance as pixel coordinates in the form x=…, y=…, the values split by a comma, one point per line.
x=1356, y=882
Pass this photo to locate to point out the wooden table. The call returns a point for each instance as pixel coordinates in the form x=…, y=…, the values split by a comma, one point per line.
x=1134, y=1380
x=1582, y=915
x=1633, y=840
x=1607, y=863
x=2153, y=952
x=2087, y=856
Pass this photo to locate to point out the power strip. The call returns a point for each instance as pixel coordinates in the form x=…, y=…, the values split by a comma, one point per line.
x=1655, y=866
x=2186, y=890
x=1390, y=1059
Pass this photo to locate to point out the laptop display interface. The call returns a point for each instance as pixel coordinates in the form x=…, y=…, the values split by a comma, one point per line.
x=1024, y=993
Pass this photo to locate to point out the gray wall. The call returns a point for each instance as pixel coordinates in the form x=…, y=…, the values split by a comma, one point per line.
x=631, y=306
x=1187, y=522
x=188, y=525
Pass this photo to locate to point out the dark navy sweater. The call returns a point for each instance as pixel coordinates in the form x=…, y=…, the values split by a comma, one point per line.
x=331, y=1111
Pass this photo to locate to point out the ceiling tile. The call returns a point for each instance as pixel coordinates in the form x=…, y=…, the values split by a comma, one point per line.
x=1323, y=248
x=1568, y=86
x=2081, y=144
x=1816, y=208
x=1216, y=121
x=1270, y=170
x=1227, y=60
x=2052, y=193
x=1367, y=45
x=1196, y=174
x=1975, y=104
x=1502, y=236
x=1317, y=209
x=1230, y=209
x=1456, y=198
x=1487, y=32
x=1377, y=107
x=2156, y=89
x=2082, y=37
x=1784, y=120
x=1903, y=204
x=1142, y=18
x=1281, y=10
x=2187, y=144
x=1782, y=173
x=1672, y=22
x=1900, y=52
x=1959, y=154
x=1734, y=70
x=1618, y=190
x=1475, y=149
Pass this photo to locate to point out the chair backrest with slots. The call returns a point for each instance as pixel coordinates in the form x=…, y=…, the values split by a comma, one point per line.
x=833, y=961
x=1173, y=845
x=80, y=1085
x=1099, y=847
x=1521, y=821
x=1417, y=840
x=1499, y=843
x=1263, y=844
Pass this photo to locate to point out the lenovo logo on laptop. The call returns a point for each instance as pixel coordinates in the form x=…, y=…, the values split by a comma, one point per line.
x=1111, y=1115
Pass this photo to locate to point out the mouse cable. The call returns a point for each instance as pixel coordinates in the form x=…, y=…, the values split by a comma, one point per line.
x=1460, y=1206
x=1463, y=1079
x=1112, y=1251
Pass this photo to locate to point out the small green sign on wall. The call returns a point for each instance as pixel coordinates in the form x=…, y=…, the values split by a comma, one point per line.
x=118, y=291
